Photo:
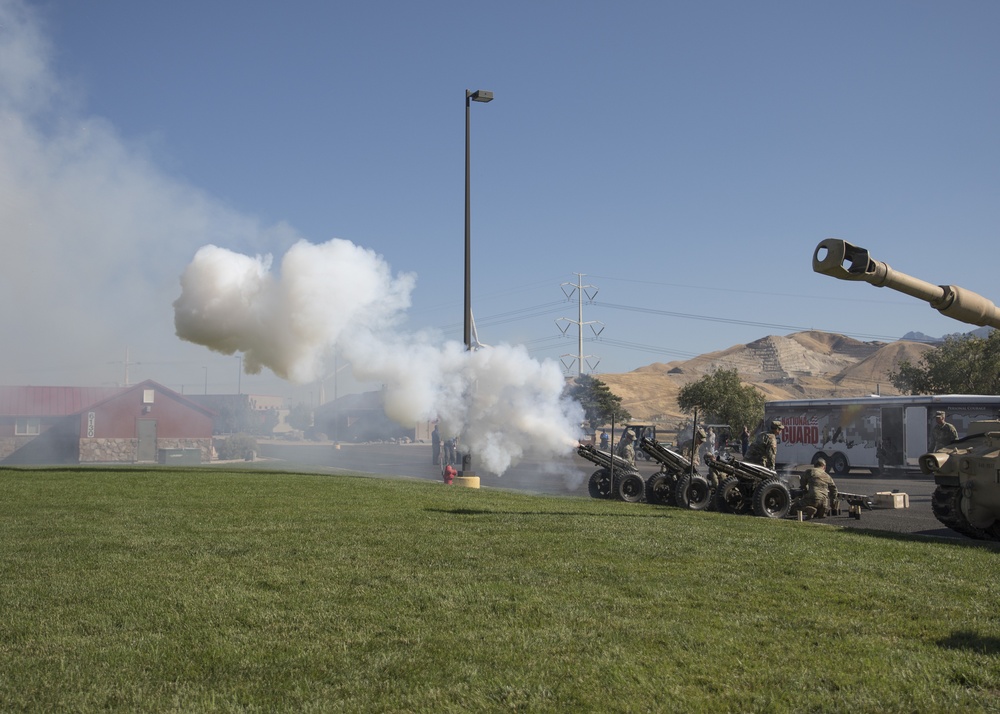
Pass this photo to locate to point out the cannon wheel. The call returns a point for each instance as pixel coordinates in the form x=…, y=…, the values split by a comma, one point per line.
x=631, y=488
x=693, y=492
x=729, y=497
x=771, y=499
x=660, y=489
x=600, y=484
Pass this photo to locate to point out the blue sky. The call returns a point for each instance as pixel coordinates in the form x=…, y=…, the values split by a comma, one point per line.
x=686, y=157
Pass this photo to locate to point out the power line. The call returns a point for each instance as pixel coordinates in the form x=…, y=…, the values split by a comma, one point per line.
x=732, y=321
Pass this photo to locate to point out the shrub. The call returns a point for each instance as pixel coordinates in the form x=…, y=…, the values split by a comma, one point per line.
x=237, y=446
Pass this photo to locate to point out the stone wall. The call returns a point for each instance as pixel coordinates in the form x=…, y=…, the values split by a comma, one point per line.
x=10, y=444
x=108, y=450
x=125, y=450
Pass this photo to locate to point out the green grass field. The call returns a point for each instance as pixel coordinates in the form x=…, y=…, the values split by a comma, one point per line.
x=212, y=590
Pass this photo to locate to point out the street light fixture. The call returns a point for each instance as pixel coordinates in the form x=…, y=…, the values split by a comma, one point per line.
x=467, y=477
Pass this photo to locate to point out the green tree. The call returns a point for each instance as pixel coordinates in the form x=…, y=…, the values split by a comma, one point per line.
x=959, y=365
x=722, y=398
x=600, y=404
x=300, y=417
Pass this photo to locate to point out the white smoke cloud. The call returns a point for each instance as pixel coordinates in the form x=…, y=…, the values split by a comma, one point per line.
x=96, y=234
x=340, y=297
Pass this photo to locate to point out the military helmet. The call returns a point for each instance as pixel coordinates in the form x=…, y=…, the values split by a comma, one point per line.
x=776, y=425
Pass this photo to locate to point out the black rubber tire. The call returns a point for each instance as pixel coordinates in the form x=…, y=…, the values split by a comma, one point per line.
x=630, y=488
x=660, y=489
x=693, y=492
x=839, y=464
x=771, y=499
x=730, y=498
x=600, y=484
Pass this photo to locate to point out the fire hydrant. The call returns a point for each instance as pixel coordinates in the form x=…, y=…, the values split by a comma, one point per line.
x=449, y=474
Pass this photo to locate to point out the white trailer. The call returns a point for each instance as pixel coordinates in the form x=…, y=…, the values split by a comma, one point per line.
x=882, y=434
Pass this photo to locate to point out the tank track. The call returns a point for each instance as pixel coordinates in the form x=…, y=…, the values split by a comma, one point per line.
x=947, y=508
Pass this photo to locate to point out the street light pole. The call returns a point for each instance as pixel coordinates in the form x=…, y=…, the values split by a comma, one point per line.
x=478, y=96
x=467, y=477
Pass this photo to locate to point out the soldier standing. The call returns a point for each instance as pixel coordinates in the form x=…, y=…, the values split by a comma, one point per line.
x=693, y=449
x=625, y=448
x=942, y=433
x=764, y=450
x=820, y=491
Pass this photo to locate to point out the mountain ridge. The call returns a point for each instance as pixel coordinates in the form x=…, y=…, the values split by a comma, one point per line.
x=804, y=365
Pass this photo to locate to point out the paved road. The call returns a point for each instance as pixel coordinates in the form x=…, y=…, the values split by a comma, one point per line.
x=569, y=476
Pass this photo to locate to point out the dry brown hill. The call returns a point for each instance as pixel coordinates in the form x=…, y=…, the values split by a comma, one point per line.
x=804, y=365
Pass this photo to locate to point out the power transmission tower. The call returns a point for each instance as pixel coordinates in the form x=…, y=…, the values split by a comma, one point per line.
x=590, y=292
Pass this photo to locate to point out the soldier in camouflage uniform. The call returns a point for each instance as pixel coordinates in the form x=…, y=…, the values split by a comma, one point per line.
x=820, y=492
x=694, y=448
x=764, y=450
x=625, y=448
x=942, y=433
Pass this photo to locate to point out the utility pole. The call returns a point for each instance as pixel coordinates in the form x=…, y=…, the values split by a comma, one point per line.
x=590, y=292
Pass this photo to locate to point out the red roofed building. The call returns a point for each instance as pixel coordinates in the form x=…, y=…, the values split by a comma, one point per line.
x=141, y=423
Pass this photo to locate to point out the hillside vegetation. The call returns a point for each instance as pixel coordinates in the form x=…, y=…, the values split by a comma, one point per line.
x=804, y=365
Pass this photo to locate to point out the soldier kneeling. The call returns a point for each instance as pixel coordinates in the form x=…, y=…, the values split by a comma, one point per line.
x=820, y=492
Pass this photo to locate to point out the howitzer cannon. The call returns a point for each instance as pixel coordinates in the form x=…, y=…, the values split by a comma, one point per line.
x=967, y=497
x=676, y=483
x=744, y=487
x=627, y=484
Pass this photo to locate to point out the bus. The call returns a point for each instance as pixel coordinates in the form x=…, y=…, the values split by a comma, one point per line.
x=881, y=434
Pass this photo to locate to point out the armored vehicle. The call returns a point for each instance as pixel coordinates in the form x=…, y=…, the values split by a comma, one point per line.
x=967, y=497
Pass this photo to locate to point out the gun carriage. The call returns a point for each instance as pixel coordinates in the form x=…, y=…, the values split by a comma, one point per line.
x=627, y=483
x=744, y=488
x=676, y=483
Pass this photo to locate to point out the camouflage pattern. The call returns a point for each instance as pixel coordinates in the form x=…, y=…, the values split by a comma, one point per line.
x=820, y=493
x=819, y=487
x=942, y=435
x=626, y=451
x=764, y=450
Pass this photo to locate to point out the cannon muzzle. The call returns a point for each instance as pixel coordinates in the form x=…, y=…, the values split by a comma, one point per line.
x=840, y=259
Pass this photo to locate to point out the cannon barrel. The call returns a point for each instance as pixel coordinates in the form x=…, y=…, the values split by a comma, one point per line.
x=743, y=468
x=839, y=259
x=603, y=458
x=664, y=456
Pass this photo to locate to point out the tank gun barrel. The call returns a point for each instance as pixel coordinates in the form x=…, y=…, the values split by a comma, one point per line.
x=840, y=259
